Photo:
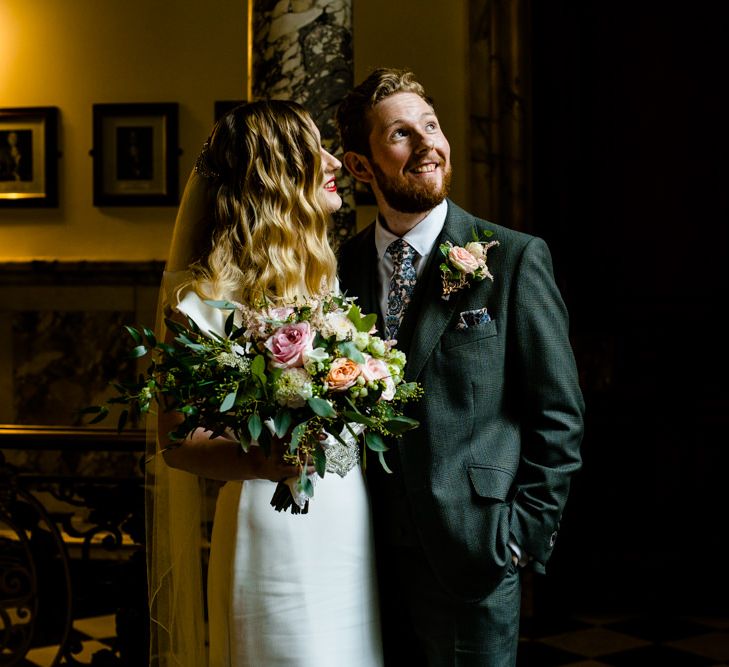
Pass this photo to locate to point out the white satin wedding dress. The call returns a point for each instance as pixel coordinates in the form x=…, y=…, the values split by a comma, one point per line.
x=290, y=590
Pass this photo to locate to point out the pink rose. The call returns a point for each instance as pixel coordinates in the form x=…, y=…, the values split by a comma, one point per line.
x=376, y=369
x=343, y=373
x=289, y=343
x=462, y=259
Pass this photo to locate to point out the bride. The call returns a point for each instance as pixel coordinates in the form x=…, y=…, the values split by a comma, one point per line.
x=282, y=589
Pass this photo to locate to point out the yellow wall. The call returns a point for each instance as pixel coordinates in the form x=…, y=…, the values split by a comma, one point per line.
x=430, y=37
x=74, y=53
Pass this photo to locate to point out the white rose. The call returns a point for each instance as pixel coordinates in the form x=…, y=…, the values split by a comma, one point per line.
x=337, y=325
x=476, y=249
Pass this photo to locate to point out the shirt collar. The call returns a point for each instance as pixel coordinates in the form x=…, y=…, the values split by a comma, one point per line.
x=422, y=237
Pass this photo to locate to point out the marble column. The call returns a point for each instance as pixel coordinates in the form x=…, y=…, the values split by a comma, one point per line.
x=302, y=50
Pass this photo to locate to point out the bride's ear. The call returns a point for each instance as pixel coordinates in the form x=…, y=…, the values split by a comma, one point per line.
x=359, y=166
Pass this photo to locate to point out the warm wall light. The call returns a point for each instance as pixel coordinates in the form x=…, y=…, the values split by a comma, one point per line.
x=8, y=47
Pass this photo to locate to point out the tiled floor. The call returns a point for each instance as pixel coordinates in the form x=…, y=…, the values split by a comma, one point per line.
x=578, y=641
x=625, y=641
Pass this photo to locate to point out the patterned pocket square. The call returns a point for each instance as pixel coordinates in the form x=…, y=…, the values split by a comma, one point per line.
x=472, y=318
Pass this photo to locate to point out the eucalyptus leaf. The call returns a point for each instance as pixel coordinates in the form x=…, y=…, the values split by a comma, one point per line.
x=375, y=442
x=339, y=438
x=151, y=338
x=401, y=424
x=351, y=432
x=193, y=325
x=321, y=407
x=243, y=439
x=221, y=304
x=358, y=418
x=114, y=400
x=101, y=416
x=255, y=426
x=381, y=456
x=281, y=422
x=349, y=349
x=229, y=323
x=228, y=402
x=138, y=352
x=91, y=410
x=174, y=326
x=134, y=334
x=306, y=485
x=296, y=435
x=187, y=342
x=320, y=461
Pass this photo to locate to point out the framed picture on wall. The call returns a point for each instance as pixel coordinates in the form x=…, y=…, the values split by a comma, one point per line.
x=29, y=157
x=136, y=154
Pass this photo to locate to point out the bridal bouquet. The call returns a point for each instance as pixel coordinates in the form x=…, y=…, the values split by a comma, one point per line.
x=310, y=372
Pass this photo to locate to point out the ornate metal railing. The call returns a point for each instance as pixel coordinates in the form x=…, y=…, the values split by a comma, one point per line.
x=71, y=543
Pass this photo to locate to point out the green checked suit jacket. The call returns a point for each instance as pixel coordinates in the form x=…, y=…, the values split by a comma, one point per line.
x=501, y=419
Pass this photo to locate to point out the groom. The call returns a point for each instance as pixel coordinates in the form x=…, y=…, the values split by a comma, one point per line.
x=477, y=491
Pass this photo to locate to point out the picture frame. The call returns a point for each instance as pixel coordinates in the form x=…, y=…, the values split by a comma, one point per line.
x=29, y=157
x=136, y=154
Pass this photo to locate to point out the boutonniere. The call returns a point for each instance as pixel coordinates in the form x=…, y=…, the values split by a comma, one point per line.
x=464, y=265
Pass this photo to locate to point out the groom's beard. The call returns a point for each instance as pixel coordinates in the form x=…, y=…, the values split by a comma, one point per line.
x=407, y=197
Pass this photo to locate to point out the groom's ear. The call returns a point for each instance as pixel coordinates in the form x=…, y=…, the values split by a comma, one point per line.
x=359, y=166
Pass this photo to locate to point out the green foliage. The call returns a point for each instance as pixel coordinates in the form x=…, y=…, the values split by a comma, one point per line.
x=361, y=323
x=229, y=382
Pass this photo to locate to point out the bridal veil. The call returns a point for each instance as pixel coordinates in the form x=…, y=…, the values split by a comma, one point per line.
x=175, y=499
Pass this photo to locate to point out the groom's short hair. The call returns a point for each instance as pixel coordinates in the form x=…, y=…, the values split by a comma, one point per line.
x=352, y=121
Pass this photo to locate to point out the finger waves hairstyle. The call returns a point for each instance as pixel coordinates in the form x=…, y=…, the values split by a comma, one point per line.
x=267, y=209
x=352, y=117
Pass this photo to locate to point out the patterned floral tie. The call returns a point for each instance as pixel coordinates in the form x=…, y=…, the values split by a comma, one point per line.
x=402, y=284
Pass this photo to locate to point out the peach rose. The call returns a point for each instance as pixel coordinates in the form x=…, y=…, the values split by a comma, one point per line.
x=462, y=259
x=289, y=343
x=343, y=373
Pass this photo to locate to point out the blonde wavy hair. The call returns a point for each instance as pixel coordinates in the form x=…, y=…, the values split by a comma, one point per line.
x=266, y=208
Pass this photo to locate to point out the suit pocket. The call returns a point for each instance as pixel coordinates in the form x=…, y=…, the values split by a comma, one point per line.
x=455, y=338
x=491, y=482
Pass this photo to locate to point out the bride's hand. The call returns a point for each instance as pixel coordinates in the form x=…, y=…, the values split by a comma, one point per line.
x=223, y=459
x=272, y=467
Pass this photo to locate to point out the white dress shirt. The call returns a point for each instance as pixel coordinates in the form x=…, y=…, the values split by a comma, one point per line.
x=421, y=238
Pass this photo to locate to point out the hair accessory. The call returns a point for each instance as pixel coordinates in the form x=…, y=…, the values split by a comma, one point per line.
x=202, y=166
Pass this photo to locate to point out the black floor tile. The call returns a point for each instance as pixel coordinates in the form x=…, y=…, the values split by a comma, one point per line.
x=658, y=656
x=535, y=628
x=535, y=654
x=659, y=629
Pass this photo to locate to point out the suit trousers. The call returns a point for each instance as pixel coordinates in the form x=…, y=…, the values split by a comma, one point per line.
x=422, y=623
x=425, y=625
